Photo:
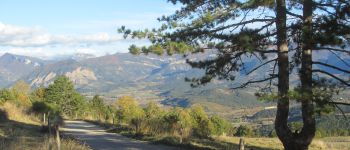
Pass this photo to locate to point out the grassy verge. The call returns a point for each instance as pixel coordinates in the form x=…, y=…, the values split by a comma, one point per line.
x=21, y=130
x=328, y=143
x=226, y=142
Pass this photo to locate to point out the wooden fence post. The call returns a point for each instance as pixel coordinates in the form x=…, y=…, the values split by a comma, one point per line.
x=44, y=119
x=49, y=126
x=241, y=143
x=58, y=140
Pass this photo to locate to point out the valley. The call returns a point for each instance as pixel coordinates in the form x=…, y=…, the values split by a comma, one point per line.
x=148, y=78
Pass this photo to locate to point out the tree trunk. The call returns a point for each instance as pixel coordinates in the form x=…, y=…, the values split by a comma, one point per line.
x=290, y=140
x=309, y=124
x=281, y=126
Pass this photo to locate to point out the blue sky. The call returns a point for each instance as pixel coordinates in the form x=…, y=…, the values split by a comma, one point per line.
x=45, y=29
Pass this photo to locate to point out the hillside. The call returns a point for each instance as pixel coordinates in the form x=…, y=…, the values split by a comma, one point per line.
x=147, y=77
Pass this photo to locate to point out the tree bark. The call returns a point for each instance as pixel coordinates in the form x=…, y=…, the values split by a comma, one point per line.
x=290, y=140
x=58, y=140
x=281, y=121
x=309, y=124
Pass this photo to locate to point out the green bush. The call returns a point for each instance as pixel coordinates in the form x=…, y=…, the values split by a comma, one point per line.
x=6, y=95
x=243, y=130
x=203, y=127
x=221, y=126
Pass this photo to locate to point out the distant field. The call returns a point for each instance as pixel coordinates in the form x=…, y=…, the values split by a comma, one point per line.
x=328, y=143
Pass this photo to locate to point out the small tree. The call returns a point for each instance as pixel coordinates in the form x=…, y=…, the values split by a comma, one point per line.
x=98, y=106
x=21, y=90
x=109, y=113
x=203, y=127
x=137, y=120
x=6, y=95
x=127, y=108
x=179, y=122
x=153, y=115
x=38, y=94
x=243, y=130
x=221, y=126
x=62, y=94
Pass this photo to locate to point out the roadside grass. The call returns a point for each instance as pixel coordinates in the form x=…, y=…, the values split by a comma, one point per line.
x=23, y=131
x=227, y=142
x=328, y=143
x=39, y=143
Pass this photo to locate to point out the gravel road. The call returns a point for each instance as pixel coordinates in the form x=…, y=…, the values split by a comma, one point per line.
x=98, y=139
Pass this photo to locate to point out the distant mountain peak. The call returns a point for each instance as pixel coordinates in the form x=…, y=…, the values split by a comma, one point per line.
x=82, y=56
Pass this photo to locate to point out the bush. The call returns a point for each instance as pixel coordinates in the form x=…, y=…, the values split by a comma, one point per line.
x=220, y=125
x=6, y=95
x=243, y=130
x=203, y=127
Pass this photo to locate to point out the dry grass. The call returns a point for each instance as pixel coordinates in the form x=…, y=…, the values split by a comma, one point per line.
x=19, y=114
x=23, y=132
x=330, y=143
x=39, y=143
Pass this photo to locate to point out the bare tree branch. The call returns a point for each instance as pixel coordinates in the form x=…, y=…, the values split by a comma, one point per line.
x=295, y=15
x=339, y=103
x=341, y=59
x=242, y=23
x=342, y=112
x=333, y=76
x=333, y=49
x=261, y=66
x=331, y=66
x=255, y=81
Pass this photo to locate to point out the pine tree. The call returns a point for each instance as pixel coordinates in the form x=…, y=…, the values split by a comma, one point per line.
x=281, y=33
x=98, y=106
x=63, y=95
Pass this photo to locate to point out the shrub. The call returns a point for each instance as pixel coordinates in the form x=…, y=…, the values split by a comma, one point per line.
x=6, y=95
x=203, y=127
x=243, y=130
x=220, y=125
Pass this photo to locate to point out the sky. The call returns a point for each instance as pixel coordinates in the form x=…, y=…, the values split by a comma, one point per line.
x=51, y=28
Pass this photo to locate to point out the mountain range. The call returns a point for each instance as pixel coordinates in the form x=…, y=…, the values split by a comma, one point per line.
x=146, y=77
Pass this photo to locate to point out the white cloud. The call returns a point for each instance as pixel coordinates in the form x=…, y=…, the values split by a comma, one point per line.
x=10, y=30
x=18, y=36
x=43, y=53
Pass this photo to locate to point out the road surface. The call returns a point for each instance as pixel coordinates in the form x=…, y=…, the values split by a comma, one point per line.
x=98, y=139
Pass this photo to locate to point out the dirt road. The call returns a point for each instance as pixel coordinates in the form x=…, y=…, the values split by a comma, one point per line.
x=98, y=139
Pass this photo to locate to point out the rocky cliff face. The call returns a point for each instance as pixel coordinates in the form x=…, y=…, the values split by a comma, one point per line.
x=15, y=67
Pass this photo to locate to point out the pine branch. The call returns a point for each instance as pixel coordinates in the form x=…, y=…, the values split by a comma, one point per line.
x=242, y=23
x=333, y=49
x=295, y=15
x=331, y=66
x=333, y=76
x=339, y=103
x=256, y=68
x=341, y=110
x=255, y=81
x=346, y=63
